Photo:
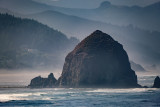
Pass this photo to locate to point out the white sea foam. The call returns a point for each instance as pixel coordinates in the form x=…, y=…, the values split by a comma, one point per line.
x=130, y=90
x=80, y=96
x=137, y=97
x=19, y=96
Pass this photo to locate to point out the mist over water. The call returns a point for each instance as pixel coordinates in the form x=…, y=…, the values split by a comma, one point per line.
x=23, y=77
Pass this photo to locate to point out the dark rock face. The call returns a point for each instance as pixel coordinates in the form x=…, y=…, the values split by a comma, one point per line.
x=39, y=82
x=156, y=82
x=98, y=61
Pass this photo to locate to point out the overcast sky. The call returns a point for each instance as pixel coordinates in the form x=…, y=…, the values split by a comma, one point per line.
x=95, y=3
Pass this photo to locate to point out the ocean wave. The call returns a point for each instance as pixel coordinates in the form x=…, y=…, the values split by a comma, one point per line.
x=19, y=96
x=82, y=97
x=130, y=90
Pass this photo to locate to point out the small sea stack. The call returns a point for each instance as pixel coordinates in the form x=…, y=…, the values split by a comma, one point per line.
x=156, y=82
x=98, y=61
x=39, y=82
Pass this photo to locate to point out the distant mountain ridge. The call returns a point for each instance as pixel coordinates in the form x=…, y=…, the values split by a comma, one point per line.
x=106, y=12
x=24, y=6
x=137, y=67
x=121, y=15
x=135, y=40
x=25, y=43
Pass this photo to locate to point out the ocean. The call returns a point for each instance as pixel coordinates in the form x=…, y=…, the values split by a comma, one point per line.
x=82, y=97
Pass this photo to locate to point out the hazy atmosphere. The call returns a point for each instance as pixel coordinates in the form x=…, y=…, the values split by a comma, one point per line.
x=65, y=37
x=138, y=33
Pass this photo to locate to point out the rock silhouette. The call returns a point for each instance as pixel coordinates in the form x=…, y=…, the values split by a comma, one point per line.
x=98, y=61
x=39, y=82
x=156, y=82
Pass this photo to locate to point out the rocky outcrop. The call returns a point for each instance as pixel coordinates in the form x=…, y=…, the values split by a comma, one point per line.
x=39, y=82
x=98, y=61
x=156, y=82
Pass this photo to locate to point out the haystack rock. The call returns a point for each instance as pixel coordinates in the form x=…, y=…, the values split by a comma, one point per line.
x=98, y=61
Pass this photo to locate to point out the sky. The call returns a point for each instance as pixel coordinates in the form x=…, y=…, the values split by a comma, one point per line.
x=96, y=3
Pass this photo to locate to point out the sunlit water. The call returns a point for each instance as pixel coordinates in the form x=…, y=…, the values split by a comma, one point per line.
x=84, y=97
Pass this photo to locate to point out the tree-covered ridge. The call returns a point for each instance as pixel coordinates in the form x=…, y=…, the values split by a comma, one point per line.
x=28, y=43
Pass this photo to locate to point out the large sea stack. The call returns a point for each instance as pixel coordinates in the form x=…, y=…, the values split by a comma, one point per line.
x=98, y=61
